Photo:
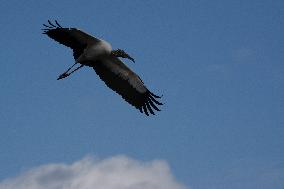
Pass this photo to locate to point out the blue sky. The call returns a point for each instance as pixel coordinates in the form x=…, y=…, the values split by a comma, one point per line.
x=218, y=64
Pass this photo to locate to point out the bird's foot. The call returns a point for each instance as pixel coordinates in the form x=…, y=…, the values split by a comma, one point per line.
x=62, y=76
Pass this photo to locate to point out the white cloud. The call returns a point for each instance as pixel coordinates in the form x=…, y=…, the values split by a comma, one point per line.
x=118, y=172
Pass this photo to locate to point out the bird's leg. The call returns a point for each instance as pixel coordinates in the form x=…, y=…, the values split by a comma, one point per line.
x=66, y=74
x=76, y=69
x=122, y=54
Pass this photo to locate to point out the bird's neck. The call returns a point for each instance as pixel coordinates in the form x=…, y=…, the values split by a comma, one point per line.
x=95, y=51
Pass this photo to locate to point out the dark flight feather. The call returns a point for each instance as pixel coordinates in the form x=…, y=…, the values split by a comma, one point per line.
x=70, y=37
x=126, y=83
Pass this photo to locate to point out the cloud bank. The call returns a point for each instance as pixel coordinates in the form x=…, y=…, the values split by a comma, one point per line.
x=118, y=172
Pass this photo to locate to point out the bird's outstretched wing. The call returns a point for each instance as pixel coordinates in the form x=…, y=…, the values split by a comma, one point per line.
x=126, y=83
x=70, y=37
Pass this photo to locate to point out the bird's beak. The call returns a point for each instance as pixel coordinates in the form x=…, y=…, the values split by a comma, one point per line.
x=122, y=53
x=130, y=58
x=125, y=55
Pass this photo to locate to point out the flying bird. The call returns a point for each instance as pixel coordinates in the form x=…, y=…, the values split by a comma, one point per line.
x=98, y=54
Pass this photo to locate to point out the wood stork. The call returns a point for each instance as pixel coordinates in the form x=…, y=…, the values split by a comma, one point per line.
x=98, y=54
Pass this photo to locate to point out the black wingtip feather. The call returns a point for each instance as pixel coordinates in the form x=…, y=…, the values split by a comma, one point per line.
x=149, y=108
x=156, y=96
x=153, y=105
x=140, y=109
x=51, y=23
x=150, y=104
x=145, y=110
x=58, y=24
x=154, y=100
x=47, y=26
x=51, y=26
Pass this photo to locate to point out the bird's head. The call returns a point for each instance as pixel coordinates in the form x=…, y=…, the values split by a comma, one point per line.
x=122, y=54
